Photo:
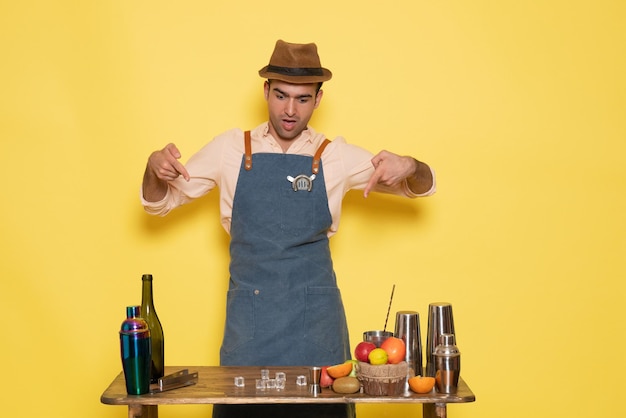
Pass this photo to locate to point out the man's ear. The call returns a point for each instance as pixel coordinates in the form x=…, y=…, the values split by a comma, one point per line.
x=266, y=89
x=318, y=98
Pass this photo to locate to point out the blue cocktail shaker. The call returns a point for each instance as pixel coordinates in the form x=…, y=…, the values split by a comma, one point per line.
x=136, y=348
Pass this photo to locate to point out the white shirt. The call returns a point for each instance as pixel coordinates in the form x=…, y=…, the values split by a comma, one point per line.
x=218, y=163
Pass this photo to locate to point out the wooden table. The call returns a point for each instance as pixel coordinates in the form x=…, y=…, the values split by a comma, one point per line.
x=216, y=386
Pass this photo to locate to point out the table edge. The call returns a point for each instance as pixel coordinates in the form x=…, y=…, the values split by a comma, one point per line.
x=220, y=398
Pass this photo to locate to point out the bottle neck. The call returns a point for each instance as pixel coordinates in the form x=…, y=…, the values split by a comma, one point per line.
x=146, y=293
x=133, y=312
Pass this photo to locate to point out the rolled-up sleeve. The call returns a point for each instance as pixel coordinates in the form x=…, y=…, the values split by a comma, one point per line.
x=433, y=188
x=358, y=168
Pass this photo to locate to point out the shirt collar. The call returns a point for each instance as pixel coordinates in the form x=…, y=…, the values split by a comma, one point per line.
x=307, y=135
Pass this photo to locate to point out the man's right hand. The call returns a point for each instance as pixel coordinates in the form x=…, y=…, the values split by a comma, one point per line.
x=163, y=166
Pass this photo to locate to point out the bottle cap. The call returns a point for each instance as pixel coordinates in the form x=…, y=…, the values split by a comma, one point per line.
x=446, y=346
x=447, y=339
x=133, y=324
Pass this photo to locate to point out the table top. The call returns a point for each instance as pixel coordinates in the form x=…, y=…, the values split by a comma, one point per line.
x=216, y=386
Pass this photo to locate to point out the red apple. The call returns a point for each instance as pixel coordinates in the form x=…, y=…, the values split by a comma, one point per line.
x=362, y=350
x=325, y=380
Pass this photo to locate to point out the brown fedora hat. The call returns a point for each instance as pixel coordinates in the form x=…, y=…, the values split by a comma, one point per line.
x=295, y=63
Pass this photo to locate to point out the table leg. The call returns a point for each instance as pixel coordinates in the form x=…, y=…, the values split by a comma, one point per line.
x=143, y=411
x=435, y=410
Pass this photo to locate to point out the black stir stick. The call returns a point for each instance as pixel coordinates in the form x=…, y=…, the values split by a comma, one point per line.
x=389, y=308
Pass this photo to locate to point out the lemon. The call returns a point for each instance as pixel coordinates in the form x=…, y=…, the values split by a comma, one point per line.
x=377, y=356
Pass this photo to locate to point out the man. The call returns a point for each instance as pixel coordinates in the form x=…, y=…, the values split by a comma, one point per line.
x=281, y=187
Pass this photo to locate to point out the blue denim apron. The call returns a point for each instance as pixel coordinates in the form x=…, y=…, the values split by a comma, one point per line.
x=283, y=306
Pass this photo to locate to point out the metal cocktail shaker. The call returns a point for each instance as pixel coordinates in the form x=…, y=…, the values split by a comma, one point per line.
x=408, y=330
x=448, y=364
x=440, y=321
x=136, y=351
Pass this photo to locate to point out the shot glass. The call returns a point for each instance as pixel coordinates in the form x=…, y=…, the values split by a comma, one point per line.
x=315, y=374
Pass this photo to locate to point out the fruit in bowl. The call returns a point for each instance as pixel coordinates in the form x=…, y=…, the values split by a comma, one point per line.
x=395, y=349
x=363, y=350
x=377, y=357
x=385, y=371
x=391, y=351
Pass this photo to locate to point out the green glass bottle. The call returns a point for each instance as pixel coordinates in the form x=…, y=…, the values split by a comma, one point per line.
x=156, y=330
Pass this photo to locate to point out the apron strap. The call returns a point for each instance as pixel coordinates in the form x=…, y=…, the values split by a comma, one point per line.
x=315, y=166
x=248, y=148
x=318, y=156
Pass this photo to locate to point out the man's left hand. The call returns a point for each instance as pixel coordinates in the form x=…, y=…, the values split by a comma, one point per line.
x=390, y=169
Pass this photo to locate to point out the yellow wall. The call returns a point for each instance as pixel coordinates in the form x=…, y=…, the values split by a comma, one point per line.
x=519, y=105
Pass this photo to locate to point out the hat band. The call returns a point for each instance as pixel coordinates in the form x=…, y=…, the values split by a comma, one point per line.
x=298, y=72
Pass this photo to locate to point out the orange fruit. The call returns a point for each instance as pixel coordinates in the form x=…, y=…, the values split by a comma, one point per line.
x=340, y=370
x=377, y=356
x=421, y=384
x=395, y=348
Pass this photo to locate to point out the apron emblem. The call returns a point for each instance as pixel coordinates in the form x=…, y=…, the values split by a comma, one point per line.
x=301, y=182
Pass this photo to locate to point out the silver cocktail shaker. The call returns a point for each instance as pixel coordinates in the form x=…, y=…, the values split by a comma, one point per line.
x=408, y=330
x=448, y=364
x=440, y=321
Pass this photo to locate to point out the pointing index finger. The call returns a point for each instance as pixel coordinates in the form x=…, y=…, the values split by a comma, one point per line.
x=373, y=181
x=182, y=170
x=178, y=166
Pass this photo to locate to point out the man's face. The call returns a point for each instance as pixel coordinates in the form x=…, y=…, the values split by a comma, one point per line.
x=290, y=107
